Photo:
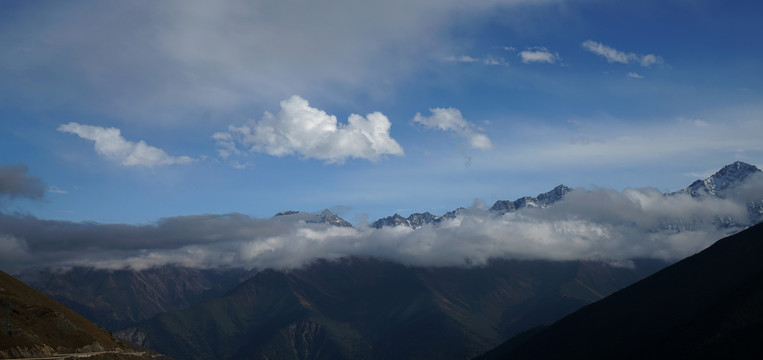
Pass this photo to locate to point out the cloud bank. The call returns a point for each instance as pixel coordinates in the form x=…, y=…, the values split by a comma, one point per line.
x=14, y=182
x=450, y=119
x=613, y=55
x=110, y=144
x=588, y=224
x=311, y=133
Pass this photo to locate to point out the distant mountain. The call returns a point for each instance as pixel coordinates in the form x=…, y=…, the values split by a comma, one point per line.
x=363, y=308
x=724, y=183
x=719, y=185
x=416, y=220
x=115, y=299
x=542, y=200
x=34, y=325
x=324, y=217
x=709, y=305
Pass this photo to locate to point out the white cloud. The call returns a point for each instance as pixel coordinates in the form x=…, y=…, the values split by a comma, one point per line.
x=110, y=144
x=311, y=133
x=634, y=75
x=538, y=54
x=613, y=55
x=450, y=119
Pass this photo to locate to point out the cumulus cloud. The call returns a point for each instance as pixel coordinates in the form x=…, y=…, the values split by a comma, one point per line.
x=613, y=55
x=14, y=182
x=450, y=119
x=311, y=133
x=588, y=224
x=110, y=144
x=538, y=54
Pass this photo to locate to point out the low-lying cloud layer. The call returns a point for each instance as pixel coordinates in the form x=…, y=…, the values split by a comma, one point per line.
x=588, y=224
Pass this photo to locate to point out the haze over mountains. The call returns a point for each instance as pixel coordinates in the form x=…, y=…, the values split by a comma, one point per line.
x=597, y=223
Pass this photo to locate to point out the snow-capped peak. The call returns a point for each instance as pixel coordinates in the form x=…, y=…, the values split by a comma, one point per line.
x=726, y=177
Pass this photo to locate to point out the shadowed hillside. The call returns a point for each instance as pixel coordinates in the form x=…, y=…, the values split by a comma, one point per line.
x=363, y=308
x=709, y=305
x=116, y=299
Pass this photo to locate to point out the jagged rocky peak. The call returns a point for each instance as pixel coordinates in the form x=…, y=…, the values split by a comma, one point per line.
x=419, y=219
x=391, y=221
x=415, y=220
x=453, y=214
x=726, y=177
x=328, y=217
x=542, y=200
x=323, y=217
x=554, y=195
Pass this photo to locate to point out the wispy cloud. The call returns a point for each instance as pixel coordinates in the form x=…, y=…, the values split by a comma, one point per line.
x=718, y=136
x=56, y=190
x=634, y=75
x=489, y=60
x=177, y=57
x=617, y=56
x=450, y=119
x=306, y=131
x=539, y=55
x=110, y=144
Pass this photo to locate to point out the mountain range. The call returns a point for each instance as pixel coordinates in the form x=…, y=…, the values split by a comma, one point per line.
x=722, y=184
x=364, y=308
x=361, y=307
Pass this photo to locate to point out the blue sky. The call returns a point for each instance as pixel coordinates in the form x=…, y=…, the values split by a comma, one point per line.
x=134, y=111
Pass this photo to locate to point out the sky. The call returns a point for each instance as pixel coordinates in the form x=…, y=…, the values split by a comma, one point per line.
x=131, y=113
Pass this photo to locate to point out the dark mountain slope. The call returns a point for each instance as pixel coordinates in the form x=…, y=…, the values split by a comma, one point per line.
x=709, y=305
x=34, y=325
x=356, y=308
x=116, y=299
